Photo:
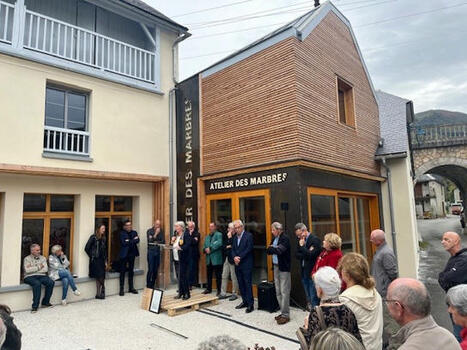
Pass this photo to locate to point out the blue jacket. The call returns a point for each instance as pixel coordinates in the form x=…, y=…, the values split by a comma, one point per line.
x=244, y=250
x=128, y=245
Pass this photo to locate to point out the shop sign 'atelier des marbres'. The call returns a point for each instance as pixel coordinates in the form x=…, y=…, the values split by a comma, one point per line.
x=248, y=181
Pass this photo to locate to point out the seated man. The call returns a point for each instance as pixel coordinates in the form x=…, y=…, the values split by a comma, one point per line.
x=409, y=304
x=35, y=274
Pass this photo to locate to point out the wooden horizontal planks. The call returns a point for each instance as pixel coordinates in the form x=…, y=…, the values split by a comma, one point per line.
x=176, y=307
x=280, y=104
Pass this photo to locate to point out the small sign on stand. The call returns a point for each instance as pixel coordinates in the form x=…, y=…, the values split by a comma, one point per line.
x=156, y=301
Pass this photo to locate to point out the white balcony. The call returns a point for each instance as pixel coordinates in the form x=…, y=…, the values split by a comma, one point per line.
x=28, y=31
x=66, y=141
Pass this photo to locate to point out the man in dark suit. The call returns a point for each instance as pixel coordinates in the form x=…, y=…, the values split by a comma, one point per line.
x=242, y=253
x=128, y=252
x=308, y=250
x=194, y=254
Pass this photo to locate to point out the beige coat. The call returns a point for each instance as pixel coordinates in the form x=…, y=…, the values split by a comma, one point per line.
x=367, y=306
x=425, y=334
x=35, y=266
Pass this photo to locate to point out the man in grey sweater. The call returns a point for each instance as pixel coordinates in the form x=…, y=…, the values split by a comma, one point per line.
x=384, y=271
x=35, y=274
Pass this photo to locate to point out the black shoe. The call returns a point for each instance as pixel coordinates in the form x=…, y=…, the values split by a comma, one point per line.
x=122, y=293
x=220, y=296
x=207, y=292
x=241, y=306
x=34, y=310
x=47, y=305
x=178, y=296
x=249, y=309
x=133, y=291
x=233, y=297
x=186, y=297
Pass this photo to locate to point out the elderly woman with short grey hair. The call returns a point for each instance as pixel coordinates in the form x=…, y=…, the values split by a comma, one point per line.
x=59, y=270
x=456, y=299
x=331, y=312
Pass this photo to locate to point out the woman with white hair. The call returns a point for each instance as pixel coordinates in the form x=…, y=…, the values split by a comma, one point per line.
x=331, y=312
x=456, y=300
x=58, y=270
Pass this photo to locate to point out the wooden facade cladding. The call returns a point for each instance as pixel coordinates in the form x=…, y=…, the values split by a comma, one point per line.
x=249, y=111
x=327, y=53
x=280, y=104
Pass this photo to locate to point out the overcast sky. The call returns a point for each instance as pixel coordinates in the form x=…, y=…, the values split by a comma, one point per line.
x=416, y=49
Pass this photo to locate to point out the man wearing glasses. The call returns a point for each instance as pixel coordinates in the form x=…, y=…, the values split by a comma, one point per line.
x=409, y=304
x=242, y=253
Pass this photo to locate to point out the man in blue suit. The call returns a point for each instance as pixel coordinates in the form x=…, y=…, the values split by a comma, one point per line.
x=242, y=253
x=128, y=252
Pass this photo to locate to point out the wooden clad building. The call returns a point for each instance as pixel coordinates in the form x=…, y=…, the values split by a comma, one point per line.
x=284, y=130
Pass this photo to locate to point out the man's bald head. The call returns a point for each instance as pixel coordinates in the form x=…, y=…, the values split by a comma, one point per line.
x=451, y=242
x=377, y=237
x=413, y=297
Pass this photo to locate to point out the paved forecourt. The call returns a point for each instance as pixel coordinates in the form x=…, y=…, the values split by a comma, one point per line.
x=119, y=323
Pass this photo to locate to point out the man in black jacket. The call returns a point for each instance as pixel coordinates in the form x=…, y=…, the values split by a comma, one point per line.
x=308, y=250
x=155, y=236
x=455, y=271
x=228, y=270
x=280, y=251
x=193, y=268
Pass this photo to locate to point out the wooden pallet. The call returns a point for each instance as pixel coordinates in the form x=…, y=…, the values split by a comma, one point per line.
x=176, y=307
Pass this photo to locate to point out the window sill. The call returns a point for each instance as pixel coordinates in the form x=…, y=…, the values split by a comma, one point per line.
x=78, y=280
x=64, y=156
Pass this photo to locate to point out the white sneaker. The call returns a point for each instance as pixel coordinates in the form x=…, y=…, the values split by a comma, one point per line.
x=64, y=302
x=76, y=292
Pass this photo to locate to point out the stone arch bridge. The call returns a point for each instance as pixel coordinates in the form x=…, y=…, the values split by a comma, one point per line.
x=441, y=150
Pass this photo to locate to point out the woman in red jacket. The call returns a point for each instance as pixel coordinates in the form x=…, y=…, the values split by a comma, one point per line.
x=331, y=253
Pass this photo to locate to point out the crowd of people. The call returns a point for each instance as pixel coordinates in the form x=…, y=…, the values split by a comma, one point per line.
x=348, y=301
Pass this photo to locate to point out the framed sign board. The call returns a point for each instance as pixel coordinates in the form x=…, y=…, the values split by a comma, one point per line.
x=156, y=301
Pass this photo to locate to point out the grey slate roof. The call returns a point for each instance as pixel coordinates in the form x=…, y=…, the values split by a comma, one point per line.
x=152, y=11
x=393, y=123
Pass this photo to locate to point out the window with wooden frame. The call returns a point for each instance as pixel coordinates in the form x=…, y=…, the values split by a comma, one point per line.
x=352, y=215
x=112, y=212
x=345, y=102
x=47, y=221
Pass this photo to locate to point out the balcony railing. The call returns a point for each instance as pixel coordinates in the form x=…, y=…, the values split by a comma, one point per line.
x=6, y=21
x=66, y=141
x=56, y=38
x=438, y=136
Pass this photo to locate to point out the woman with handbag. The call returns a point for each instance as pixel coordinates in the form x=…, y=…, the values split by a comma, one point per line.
x=96, y=248
x=331, y=312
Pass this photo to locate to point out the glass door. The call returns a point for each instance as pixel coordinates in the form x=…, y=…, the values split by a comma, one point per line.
x=252, y=212
x=252, y=207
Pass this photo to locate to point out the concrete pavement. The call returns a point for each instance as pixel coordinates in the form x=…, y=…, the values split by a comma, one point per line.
x=118, y=323
x=433, y=259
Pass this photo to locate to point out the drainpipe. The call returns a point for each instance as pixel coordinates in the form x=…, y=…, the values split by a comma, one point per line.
x=172, y=122
x=391, y=205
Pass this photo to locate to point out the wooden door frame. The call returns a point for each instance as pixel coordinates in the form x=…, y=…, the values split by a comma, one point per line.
x=335, y=193
x=235, y=198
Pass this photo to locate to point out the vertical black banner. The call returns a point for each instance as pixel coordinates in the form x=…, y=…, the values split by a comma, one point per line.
x=187, y=98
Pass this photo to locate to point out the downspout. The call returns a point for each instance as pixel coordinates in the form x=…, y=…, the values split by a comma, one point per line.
x=172, y=122
x=391, y=205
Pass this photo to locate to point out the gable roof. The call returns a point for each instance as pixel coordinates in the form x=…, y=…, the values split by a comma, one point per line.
x=141, y=5
x=393, y=124
x=300, y=28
